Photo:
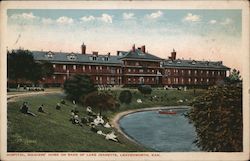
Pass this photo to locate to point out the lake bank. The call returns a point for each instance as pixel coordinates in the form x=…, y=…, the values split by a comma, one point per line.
x=115, y=120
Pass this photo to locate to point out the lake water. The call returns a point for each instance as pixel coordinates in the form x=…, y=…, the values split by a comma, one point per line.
x=161, y=132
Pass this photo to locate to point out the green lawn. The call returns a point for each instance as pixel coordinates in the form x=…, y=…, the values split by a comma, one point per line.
x=54, y=132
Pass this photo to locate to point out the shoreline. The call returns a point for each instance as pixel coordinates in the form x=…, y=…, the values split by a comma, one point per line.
x=115, y=120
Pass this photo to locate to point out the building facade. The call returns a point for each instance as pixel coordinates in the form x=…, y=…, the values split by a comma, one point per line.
x=131, y=68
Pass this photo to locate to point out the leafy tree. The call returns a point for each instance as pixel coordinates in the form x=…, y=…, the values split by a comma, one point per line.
x=145, y=89
x=101, y=101
x=78, y=86
x=22, y=66
x=234, y=77
x=217, y=117
x=125, y=97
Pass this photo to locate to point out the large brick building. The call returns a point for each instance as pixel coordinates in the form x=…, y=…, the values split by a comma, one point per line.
x=131, y=68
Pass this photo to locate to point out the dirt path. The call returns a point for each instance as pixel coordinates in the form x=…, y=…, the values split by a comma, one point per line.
x=14, y=97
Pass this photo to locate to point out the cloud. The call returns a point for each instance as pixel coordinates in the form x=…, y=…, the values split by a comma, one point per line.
x=47, y=21
x=64, y=20
x=26, y=16
x=227, y=21
x=192, y=18
x=87, y=18
x=127, y=16
x=155, y=15
x=212, y=21
x=106, y=18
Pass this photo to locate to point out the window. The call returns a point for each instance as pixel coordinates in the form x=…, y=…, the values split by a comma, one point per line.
x=169, y=80
x=153, y=79
x=201, y=79
x=182, y=80
x=213, y=73
x=74, y=67
x=201, y=71
x=137, y=63
x=140, y=70
x=207, y=72
x=94, y=58
x=64, y=77
x=153, y=70
x=189, y=72
x=195, y=72
x=100, y=67
x=54, y=66
x=182, y=72
x=219, y=73
x=118, y=71
x=129, y=70
x=96, y=78
x=83, y=67
x=71, y=57
x=54, y=77
x=89, y=67
x=106, y=58
x=207, y=80
x=64, y=67
x=195, y=80
x=176, y=80
x=189, y=80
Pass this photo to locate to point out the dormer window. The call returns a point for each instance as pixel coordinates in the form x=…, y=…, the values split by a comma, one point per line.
x=193, y=62
x=94, y=58
x=71, y=57
x=178, y=61
x=49, y=54
x=106, y=58
x=170, y=61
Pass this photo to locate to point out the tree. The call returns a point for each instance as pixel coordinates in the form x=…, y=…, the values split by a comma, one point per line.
x=101, y=101
x=125, y=97
x=145, y=89
x=234, y=77
x=217, y=117
x=78, y=86
x=22, y=66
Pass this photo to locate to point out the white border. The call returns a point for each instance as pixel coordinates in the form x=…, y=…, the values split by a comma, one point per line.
x=244, y=5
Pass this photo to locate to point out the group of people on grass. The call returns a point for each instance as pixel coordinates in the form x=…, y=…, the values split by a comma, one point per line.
x=93, y=120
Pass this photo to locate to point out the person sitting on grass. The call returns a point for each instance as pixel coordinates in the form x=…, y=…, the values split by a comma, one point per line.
x=58, y=106
x=25, y=109
x=111, y=136
x=63, y=102
x=40, y=109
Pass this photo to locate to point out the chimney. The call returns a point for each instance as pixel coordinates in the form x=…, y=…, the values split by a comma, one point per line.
x=117, y=52
x=83, y=48
x=143, y=49
x=139, y=48
x=173, y=55
x=133, y=48
x=108, y=54
x=95, y=53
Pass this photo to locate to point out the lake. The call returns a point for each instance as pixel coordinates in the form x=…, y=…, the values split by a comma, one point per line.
x=160, y=132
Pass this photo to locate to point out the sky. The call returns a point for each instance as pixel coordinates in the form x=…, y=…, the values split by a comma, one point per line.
x=195, y=34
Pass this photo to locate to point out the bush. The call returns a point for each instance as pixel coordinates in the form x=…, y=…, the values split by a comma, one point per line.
x=101, y=101
x=145, y=89
x=125, y=97
x=217, y=117
x=78, y=86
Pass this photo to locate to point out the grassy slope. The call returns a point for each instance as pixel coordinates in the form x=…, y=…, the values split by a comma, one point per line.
x=54, y=132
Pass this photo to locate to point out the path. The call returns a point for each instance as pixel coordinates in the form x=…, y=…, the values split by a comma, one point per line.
x=12, y=98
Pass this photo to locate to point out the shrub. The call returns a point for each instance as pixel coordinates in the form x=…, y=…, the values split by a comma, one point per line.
x=100, y=101
x=217, y=117
x=145, y=89
x=125, y=97
x=78, y=86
